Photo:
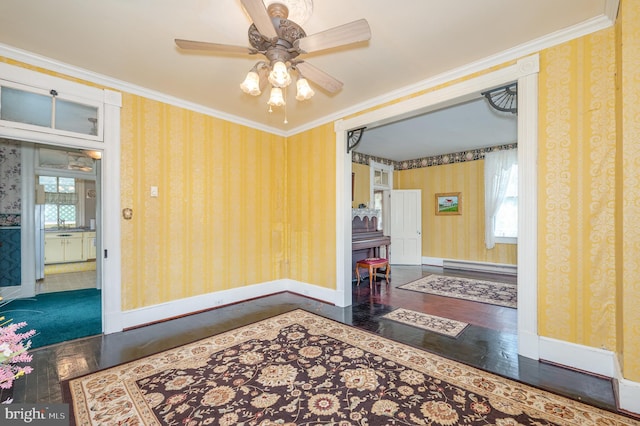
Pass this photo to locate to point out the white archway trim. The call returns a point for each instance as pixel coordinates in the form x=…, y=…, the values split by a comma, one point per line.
x=525, y=72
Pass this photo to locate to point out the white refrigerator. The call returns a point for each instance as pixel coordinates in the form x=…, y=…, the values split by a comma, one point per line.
x=39, y=219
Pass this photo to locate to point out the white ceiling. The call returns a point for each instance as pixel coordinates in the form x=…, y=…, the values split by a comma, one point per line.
x=130, y=45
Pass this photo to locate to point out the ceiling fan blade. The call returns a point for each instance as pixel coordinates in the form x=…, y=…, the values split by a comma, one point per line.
x=319, y=77
x=211, y=47
x=352, y=32
x=260, y=17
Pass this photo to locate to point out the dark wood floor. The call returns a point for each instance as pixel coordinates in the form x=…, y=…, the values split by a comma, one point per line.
x=489, y=343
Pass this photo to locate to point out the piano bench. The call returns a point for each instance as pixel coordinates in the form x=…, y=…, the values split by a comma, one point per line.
x=372, y=264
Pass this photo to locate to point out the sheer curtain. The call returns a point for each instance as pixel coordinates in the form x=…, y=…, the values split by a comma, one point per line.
x=497, y=166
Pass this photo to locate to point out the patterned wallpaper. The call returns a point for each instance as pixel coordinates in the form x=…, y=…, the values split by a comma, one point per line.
x=436, y=160
x=628, y=173
x=577, y=168
x=589, y=173
x=219, y=220
x=10, y=183
x=311, y=206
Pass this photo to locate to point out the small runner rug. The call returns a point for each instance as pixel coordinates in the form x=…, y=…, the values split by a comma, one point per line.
x=446, y=326
x=503, y=294
x=299, y=368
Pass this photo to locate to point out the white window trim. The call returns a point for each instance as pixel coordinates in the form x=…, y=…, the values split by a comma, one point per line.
x=373, y=166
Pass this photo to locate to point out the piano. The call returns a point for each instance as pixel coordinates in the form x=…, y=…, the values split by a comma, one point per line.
x=366, y=239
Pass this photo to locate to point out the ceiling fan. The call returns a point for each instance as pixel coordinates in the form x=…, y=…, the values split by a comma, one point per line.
x=282, y=41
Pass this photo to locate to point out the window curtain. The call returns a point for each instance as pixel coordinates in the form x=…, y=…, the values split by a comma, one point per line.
x=60, y=198
x=497, y=166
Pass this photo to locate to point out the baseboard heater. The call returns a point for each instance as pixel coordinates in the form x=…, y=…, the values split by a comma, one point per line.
x=496, y=268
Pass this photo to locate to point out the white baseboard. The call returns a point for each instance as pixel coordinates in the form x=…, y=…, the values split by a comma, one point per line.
x=596, y=361
x=432, y=261
x=181, y=307
x=628, y=392
x=468, y=265
x=580, y=357
x=629, y=396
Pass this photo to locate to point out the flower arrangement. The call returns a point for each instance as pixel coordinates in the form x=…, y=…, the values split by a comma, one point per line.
x=13, y=352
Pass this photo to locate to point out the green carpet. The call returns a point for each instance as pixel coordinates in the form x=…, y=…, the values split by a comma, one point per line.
x=58, y=317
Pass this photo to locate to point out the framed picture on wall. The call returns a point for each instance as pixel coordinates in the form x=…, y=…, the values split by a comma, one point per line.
x=448, y=203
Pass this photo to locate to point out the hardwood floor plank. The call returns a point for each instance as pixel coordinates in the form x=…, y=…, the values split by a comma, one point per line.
x=489, y=342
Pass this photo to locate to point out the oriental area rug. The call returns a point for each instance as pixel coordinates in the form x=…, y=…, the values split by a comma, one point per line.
x=502, y=294
x=446, y=326
x=299, y=368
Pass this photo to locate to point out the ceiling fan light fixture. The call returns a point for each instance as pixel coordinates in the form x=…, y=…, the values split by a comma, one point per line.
x=279, y=75
x=251, y=84
x=276, y=98
x=304, y=91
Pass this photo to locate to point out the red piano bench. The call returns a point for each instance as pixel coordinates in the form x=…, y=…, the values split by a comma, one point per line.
x=372, y=264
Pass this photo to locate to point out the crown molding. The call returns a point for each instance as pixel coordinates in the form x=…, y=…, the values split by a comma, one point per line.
x=603, y=21
x=528, y=48
x=115, y=84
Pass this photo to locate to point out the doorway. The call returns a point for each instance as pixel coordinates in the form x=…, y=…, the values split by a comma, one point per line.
x=525, y=72
x=106, y=139
x=60, y=295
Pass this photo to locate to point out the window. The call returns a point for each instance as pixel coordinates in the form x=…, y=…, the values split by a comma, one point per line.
x=381, y=180
x=501, y=197
x=61, y=199
x=506, y=227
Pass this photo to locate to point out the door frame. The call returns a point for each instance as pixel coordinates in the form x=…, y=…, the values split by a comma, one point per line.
x=108, y=232
x=525, y=71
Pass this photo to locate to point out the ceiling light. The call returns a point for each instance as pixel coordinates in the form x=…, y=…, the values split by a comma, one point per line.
x=276, y=98
x=304, y=90
x=279, y=75
x=251, y=84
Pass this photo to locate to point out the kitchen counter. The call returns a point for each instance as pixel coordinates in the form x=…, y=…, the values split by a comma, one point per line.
x=69, y=230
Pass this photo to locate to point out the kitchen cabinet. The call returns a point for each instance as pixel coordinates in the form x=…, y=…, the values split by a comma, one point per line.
x=89, y=242
x=63, y=247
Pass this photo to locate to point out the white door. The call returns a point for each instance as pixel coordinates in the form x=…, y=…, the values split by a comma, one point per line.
x=406, y=227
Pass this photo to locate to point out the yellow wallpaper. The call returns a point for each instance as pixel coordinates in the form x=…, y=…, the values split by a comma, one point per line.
x=238, y=206
x=218, y=222
x=362, y=184
x=628, y=167
x=458, y=236
x=577, y=186
x=311, y=205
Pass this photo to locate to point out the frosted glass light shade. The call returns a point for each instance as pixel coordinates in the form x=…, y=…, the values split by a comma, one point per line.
x=251, y=84
x=276, y=98
x=304, y=90
x=279, y=75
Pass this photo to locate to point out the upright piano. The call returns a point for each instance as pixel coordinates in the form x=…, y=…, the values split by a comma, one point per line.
x=366, y=239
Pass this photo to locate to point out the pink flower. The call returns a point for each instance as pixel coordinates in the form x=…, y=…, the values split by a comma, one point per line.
x=13, y=353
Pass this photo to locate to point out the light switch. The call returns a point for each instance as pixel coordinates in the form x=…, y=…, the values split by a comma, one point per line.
x=154, y=191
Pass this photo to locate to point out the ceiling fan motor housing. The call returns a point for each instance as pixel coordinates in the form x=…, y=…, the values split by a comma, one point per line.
x=288, y=32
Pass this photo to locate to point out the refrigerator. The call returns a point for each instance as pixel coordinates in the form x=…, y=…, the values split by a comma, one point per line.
x=39, y=225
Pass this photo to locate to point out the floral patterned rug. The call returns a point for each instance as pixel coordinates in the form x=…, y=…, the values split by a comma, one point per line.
x=302, y=369
x=446, y=326
x=503, y=294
